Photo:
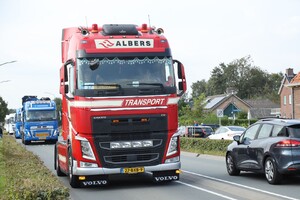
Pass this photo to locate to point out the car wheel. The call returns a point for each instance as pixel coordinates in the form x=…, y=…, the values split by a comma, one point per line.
x=73, y=179
x=271, y=172
x=230, y=165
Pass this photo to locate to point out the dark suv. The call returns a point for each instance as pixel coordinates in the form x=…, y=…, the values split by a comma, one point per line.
x=198, y=131
x=270, y=146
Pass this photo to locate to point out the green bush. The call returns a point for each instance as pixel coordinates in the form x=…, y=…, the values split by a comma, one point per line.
x=25, y=175
x=204, y=146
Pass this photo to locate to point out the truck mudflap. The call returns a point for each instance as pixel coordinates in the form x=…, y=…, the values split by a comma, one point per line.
x=165, y=176
x=96, y=180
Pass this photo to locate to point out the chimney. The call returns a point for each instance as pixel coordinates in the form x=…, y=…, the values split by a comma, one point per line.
x=290, y=72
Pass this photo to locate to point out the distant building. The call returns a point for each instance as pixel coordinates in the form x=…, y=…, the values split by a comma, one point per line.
x=229, y=103
x=263, y=108
x=286, y=92
x=293, y=100
x=232, y=105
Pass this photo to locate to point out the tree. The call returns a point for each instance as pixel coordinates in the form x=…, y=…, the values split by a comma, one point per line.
x=198, y=88
x=198, y=106
x=247, y=80
x=216, y=81
x=3, y=109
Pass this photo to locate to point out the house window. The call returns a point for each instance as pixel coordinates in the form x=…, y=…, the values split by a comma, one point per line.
x=284, y=100
x=290, y=99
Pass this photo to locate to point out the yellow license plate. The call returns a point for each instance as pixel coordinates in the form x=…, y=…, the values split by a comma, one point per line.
x=133, y=170
x=42, y=135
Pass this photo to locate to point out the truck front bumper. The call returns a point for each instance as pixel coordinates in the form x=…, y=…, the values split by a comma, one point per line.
x=101, y=171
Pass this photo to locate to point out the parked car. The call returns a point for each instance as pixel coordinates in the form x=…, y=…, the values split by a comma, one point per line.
x=213, y=126
x=270, y=146
x=181, y=130
x=227, y=132
x=198, y=131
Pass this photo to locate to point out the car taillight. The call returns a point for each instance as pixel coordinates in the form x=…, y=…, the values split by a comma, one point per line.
x=288, y=143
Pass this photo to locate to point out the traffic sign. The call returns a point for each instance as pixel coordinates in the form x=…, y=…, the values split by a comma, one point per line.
x=220, y=113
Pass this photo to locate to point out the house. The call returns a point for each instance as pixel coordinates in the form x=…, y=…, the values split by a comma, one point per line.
x=229, y=103
x=285, y=92
x=262, y=108
x=232, y=104
x=294, y=98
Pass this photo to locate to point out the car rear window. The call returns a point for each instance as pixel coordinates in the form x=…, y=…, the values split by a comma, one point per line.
x=279, y=131
x=294, y=131
x=236, y=128
x=194, y=130
x=207, y=130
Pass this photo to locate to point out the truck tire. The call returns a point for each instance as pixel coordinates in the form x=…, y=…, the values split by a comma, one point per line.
x=73, y=179
x=56, y=164
x=24, y=141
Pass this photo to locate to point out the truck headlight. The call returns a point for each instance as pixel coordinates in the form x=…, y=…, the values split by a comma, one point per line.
x=56, y=132
x=27, y=133
x=173, y=146
x=86, y=150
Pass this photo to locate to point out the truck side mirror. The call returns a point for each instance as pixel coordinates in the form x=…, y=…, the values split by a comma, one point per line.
x=182, y=85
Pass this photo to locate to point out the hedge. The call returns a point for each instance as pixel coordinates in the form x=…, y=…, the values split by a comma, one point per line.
x=204, y=145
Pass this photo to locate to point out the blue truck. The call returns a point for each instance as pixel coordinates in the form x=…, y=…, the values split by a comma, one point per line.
x=18, y=123
x=39, y=118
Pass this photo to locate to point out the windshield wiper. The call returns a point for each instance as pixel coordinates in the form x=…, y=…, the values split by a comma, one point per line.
x=107, y=89
x=107, y=86
x=154, y=84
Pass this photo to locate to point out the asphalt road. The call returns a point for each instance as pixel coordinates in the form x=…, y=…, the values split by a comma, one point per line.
x=203, y=177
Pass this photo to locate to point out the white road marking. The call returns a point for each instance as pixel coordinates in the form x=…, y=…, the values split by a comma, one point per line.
x=240, y=185
x=205, y=190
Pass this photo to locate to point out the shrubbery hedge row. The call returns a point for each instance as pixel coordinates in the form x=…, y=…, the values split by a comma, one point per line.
x=26, y=177
x=204, y=145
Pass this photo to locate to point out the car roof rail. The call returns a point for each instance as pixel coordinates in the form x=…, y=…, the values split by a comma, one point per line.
x=274, y=119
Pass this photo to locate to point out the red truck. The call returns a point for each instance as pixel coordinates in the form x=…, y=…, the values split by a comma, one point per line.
x=119, y=104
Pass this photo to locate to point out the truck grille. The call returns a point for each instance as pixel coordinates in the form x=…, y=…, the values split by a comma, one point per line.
x=131, y=129
x=132, y=158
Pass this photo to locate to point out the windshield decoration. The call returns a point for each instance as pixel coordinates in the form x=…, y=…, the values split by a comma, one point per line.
x=125, y=73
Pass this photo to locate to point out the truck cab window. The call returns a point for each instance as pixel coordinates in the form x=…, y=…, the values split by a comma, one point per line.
x=126, y=72
x=71, y=80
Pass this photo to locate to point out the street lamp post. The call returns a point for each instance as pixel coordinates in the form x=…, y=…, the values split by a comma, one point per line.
x=5, y=64
x=8, y=62
x=4, y=81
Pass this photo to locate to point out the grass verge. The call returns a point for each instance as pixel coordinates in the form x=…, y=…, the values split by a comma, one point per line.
x=2, y=180
x=24, y=176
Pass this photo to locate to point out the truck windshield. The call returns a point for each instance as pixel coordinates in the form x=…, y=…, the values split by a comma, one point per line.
x=96, y=73
x=18, y=117
x=41, y=115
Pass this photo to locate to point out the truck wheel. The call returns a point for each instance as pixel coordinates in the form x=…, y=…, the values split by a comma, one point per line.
x=73, y=179
x=22, y=137
x=230, y=165
x=24, y=141
x=56, y=164
x=271, y=172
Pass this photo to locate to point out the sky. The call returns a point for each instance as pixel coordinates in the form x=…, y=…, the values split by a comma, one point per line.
x=202, y=34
